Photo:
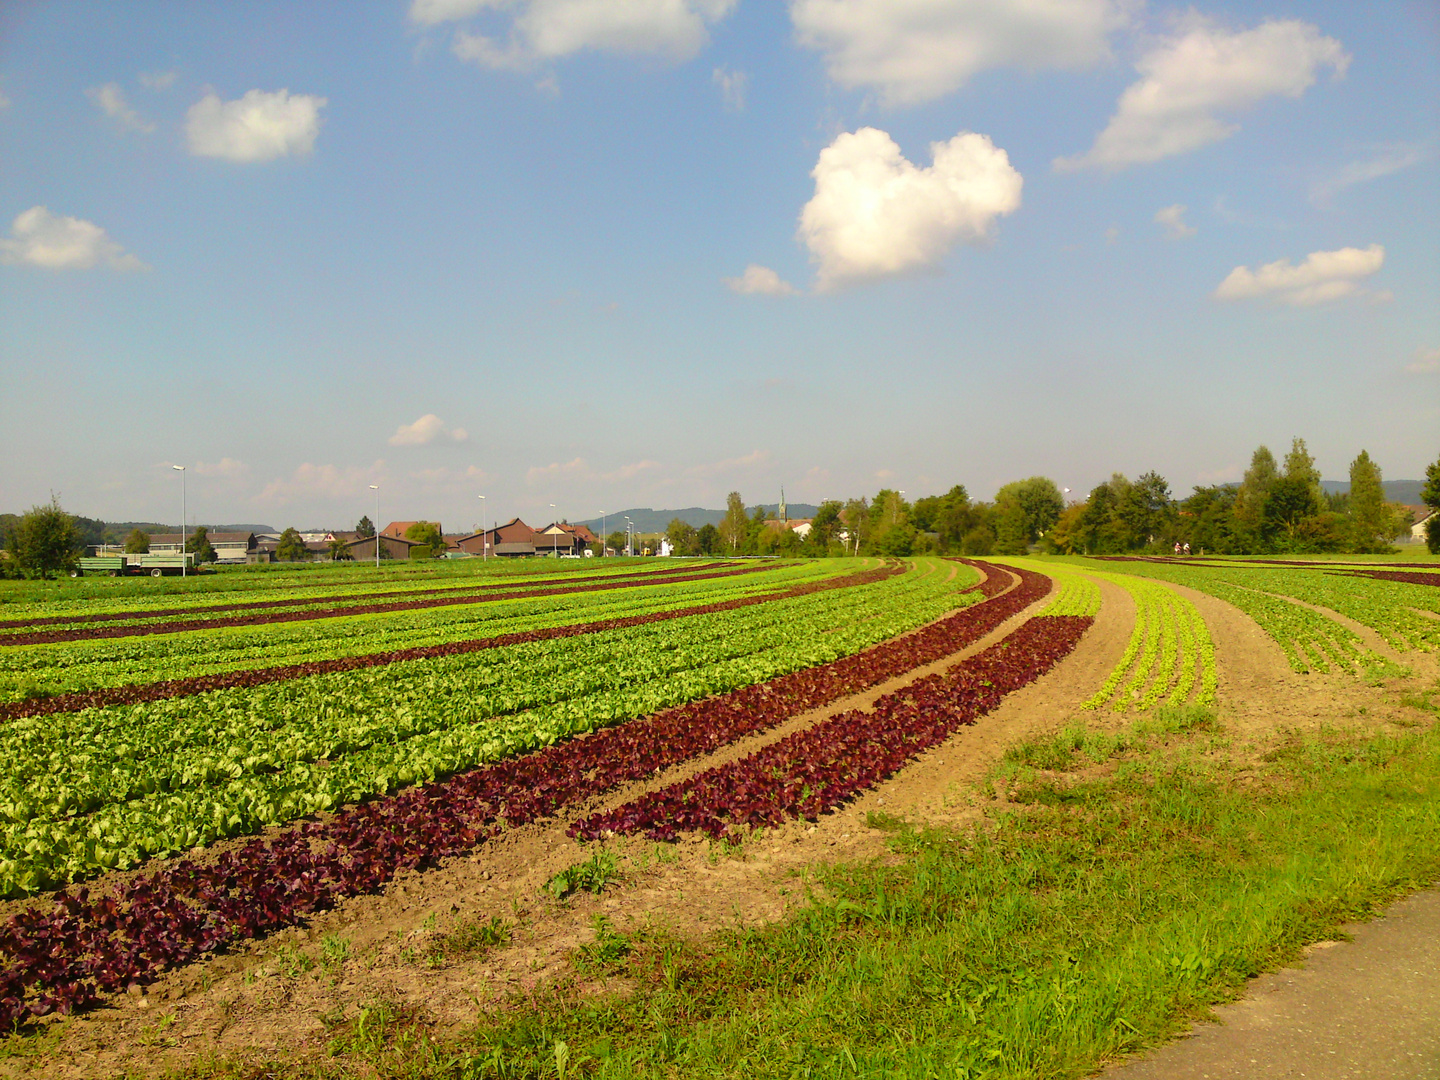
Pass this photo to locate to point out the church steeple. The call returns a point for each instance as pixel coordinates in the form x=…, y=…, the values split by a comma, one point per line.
x=784, y=516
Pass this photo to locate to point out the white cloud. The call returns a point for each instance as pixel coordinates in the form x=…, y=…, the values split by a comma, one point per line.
x=876, y=214
x=310, y=481
x=543, y=30
x=1172, y=218
x=158, y=80
x=226, y=468
x=579, y=469
x=427, y=429
x=1390, y=159
x=1322, y=277
x=728, y=466
x=41, y=238
x=111, y=101
x=257, y=127
x=918, y=50
x=732, y=86
x=1426, y=362
x=761, y=281
x=1202, y=73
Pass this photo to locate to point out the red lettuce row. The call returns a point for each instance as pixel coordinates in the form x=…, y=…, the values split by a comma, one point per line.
x=260, y=605
x=813, y=771
x=226, y=680
x=1431, y=579
x=41, y=637
x=87, y=945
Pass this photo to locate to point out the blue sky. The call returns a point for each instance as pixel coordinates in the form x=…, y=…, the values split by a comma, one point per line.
x=608, y=253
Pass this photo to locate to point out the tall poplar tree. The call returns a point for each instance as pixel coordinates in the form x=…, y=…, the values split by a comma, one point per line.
x=1255, y=488
x=1370, y=519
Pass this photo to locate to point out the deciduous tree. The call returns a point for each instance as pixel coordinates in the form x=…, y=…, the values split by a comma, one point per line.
x=46, y=540
x=736, y=526
x=137, y=543
x=1430, y=496
x=291, y=547
x=199, y=545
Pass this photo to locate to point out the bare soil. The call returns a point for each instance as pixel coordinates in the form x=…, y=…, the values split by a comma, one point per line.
x=281, y=999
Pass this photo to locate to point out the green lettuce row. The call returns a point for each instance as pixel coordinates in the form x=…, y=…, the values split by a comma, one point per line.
x=45, y=853
x=79, y=666
x=293, y=599
x=78, y=762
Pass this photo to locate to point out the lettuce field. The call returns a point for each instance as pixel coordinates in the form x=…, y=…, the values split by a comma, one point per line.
x=340, y=728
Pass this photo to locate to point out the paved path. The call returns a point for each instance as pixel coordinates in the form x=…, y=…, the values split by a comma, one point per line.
x=1368, y=1009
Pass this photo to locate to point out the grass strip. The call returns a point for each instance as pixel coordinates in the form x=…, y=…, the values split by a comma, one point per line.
x=1129, y=883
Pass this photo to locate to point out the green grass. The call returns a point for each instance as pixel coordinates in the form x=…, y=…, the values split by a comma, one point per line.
x=1126, y=883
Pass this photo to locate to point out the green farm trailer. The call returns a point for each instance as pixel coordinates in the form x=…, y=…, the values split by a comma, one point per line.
x=116, y=565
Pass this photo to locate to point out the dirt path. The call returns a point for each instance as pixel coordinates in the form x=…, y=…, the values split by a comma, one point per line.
x=1366, y=1009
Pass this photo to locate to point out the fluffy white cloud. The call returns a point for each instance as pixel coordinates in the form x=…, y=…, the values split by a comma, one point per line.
x=1172, y=219
x=761, y=281
x=1192, y=79
x=111, y=101
x=1426, y=362
x=1322, y=277
x=732, y=86
x=257, y=127
x=157, y=80
x=875, y=213
x=547, y=29
x=426, y=430
x=918, y=50
x=55, y=242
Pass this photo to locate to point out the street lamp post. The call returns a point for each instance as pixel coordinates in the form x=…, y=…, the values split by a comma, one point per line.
x=484, y=536
x=375, y=525
x=603, y=541
x=555, y=536
x=184, y=513
x=629, y=538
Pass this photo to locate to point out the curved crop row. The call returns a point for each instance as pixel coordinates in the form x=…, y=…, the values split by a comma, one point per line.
x=182, y=626
x=87, y=945
x=175, y=774
x=134, y=693
x=815, y=770
x=306, y=598
x=1168, y=653
x=35, y=671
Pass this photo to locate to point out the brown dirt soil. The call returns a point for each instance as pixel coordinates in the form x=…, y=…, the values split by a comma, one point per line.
x=280, y=999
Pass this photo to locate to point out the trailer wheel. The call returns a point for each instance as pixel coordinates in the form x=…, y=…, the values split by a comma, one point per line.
x=157, y=572
x=114, y=573
x=75, y=573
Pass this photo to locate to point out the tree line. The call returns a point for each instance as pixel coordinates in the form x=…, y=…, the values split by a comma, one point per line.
x=1278, y=507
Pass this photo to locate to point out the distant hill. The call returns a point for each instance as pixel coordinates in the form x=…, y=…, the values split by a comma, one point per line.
x=124, y=527
x=647, y=520
x=1397, y=491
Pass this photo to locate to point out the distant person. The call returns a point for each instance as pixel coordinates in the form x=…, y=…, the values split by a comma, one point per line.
x=1177, y=549
x=1187, y=549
